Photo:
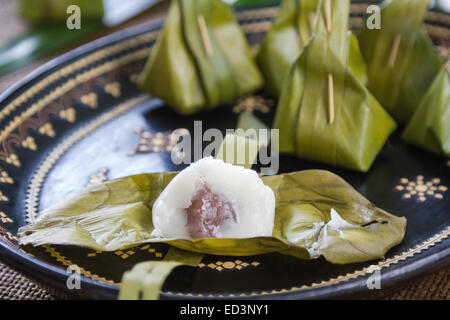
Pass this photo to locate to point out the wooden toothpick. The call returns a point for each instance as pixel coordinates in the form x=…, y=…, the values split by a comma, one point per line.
x=204, y=34
x=330, y=75
x=394, y=50
x=330, y=98
x=312, y=21
x=328, y=14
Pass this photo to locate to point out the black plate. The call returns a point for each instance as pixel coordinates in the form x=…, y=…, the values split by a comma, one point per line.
x=73, y=121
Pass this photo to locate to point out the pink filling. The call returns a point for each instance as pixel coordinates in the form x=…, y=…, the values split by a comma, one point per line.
x=208, y=214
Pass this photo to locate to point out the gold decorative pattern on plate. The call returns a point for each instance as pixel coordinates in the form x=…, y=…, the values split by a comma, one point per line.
x=3, y=198
x=98, y=177
x=90, y=100
x=29, y=143
x=252, y=103
x=66, y=262
x=47, y=129
x=4, y=218
x=150, y=249
x=94, y=254
x=11, y=158
x=158, y=141
x=228, y=265
x=5, y=178
x=134, y=77
x=9, y=238
x=421, y=188
x=113, y=89
x=125, y=254
x=69, y=114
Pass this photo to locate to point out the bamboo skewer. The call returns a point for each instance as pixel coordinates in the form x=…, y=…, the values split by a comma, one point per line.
x=330, y=75
x=394, y=50
x=328, y=14
x=204, y=34
x=312, y=21
x=331, y=98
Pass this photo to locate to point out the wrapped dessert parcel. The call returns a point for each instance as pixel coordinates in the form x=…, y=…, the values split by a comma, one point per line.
x=201, y=59
x=291, y=32
x=406, y=74
x=325, y=113
x=401, y=59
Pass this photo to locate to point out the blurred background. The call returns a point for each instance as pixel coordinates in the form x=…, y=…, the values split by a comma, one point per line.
x=34, y=31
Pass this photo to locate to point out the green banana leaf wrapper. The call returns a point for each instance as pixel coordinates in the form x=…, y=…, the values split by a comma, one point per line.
x=253, y=128
x=145, y=280
x=361, y=125
x=400, y=78
x=189, y=77
x=292, y=30
x=242, y=147
x=118, y=214
x=429, y=127
x=45, y=11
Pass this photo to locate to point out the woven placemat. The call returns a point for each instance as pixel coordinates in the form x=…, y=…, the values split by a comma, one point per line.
x=14, y=286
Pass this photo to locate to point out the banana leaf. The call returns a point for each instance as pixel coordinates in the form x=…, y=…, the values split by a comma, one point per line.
x=361, y=125
x=429, y=128
x=247, y=121
x=317, y=213
x=239, y=150
x=242, y=146
x=292, y=30
x=45, y=11
x=401, y=59
x=145, y=280
x=252, y=127
x=201, y=59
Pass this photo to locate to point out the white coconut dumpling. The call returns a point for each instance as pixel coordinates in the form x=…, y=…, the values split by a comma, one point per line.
x=213, y=199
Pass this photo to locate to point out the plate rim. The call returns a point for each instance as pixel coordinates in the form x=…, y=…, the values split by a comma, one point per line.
x=13, y=255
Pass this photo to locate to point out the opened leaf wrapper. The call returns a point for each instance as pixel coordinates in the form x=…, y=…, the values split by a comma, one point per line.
x=401, y=59
x=292, y=30
x=201, y=59
x=316, y=213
